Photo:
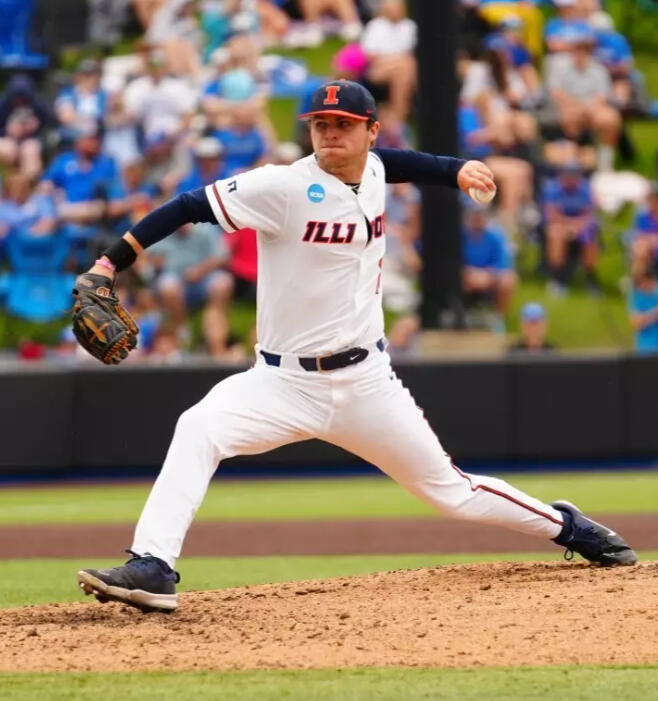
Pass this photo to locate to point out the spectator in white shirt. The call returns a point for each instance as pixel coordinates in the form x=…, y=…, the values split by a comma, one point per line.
x=389, y=41
x=146, y=9
x=496, y=87
x=175, y=29
x=310, y=33
x=160, y=102
x=581, y=89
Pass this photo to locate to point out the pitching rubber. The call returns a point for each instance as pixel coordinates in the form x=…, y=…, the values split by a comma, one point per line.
x=145, y=601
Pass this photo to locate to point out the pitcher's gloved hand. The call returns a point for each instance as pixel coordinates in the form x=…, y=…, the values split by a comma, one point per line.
x=100, y=323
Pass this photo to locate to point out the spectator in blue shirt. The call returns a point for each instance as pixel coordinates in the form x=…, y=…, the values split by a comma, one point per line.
x=614, y=52
x=612, y=48
x=208, y=165
x=34, y=287
x=474, y=136
x=509, y=33
x=643, y=307
x=534, y=329
x=644, y=247
x=25, y=210
x=243, y=142
x=82, y=178
x=130, y=198
x=84, y=100
x=84, y=173
x=237, y=79
x=570, y=219
x=487, y=262
x=495, y=10
x=235, y=85
x=570, y=20
x=221, y=21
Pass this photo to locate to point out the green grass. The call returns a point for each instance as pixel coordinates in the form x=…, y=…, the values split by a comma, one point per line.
x=366, y=684
x=358, y=497
x=26, y=582
x=577, y=321
x=637, y=20
x=283, y=112
x=317, y=60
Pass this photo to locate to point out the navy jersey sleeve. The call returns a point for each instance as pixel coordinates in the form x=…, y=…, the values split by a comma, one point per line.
x=404, y=166
x=189, y=207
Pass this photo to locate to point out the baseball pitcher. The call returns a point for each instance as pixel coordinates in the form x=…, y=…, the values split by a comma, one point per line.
x=322, y=370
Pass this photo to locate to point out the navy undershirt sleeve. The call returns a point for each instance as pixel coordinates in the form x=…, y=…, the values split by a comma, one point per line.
x=189, y=207
x=403, y=166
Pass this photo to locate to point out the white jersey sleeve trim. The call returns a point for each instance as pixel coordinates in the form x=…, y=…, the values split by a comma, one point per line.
x=218, y=208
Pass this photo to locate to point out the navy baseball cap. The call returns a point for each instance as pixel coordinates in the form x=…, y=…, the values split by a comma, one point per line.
x=343, y=97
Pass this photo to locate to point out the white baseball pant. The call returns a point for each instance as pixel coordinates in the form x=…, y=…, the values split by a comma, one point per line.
x=363, y=408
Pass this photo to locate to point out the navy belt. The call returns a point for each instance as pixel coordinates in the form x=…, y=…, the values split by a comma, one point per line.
x=323, y=363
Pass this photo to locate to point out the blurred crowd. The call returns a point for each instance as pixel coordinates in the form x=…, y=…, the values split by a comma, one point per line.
x=544, y=104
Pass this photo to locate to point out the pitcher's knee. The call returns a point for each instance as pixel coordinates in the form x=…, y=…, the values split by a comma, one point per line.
x=208, y=426
x=194, y=422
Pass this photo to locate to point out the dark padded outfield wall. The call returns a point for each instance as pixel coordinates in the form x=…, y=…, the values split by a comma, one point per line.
x=574, y=408
x=531, y=409
x=467, y=404
x=640, y=387
x=140, y=415
x=36, y=408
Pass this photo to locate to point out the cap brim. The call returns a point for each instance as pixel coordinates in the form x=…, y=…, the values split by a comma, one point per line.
x=339, y=113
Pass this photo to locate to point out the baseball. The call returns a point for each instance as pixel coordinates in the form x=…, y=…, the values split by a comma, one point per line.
x=481, y=196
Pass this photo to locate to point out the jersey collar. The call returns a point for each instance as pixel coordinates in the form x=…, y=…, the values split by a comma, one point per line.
x=314, y=161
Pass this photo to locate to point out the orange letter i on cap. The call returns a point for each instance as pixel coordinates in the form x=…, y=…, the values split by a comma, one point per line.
x=332, y=95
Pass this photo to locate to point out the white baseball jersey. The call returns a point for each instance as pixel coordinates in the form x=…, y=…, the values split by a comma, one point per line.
x=320, y=248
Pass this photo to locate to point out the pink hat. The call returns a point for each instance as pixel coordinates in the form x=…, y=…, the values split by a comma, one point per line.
x=351, y=58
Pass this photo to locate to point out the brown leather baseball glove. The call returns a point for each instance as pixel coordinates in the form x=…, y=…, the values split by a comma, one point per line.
x=100, y=323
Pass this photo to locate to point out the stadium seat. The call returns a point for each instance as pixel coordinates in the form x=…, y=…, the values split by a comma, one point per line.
x=36, y=288
x=15, y=21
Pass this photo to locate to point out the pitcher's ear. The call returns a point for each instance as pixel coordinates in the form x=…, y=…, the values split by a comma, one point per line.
x=373, y=130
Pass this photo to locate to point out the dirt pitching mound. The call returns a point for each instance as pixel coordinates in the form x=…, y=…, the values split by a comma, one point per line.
x=458, y=616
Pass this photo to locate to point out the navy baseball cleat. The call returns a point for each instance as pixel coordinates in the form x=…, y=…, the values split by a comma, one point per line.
x=145, y=582
x=590, y=539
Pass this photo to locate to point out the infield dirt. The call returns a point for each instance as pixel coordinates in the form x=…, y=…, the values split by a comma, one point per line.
x=456, y=616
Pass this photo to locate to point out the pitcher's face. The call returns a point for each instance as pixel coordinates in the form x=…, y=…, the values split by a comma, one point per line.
x=339, y=140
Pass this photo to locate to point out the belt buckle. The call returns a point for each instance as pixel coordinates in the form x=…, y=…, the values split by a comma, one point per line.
x=318, y=361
